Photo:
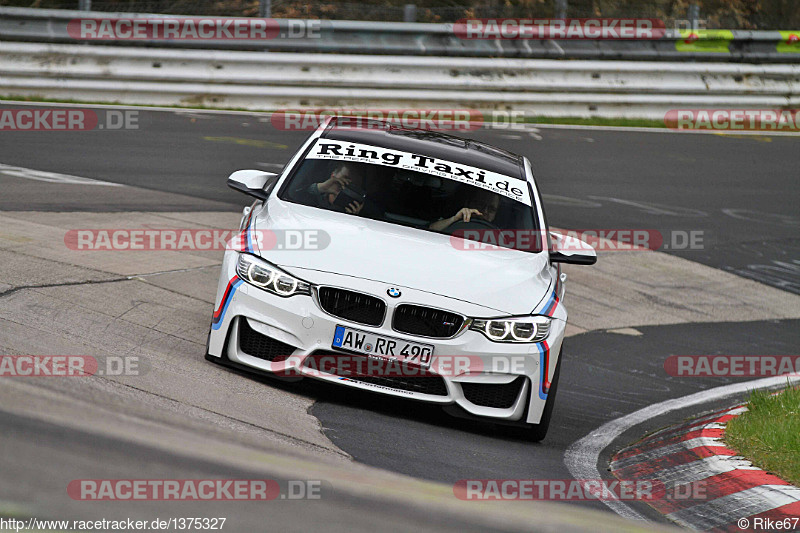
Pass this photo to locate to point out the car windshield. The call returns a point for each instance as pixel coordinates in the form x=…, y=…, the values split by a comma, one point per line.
x=382, y=184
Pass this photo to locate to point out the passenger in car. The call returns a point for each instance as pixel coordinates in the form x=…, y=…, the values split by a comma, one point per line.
x=338, y=193
x=325, y=193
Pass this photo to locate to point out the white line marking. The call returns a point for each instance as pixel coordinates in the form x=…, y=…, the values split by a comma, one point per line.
x=193, y=114
x=651, y=208
x=277, y=166
x=569, y=202
x=632, y=332
x=583, y=455
x=52, y=177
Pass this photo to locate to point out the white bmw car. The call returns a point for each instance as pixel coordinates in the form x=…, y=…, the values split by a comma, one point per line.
x=403, y=262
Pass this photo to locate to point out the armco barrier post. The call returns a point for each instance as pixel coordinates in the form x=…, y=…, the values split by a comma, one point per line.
x=410, y=13
x=694, y=16
x=265, y=9
x=561, y=9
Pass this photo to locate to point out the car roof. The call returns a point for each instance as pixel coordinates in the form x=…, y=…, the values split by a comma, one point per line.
x=426, y=142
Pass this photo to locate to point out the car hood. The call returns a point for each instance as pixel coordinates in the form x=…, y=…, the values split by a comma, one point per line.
x=507, y=281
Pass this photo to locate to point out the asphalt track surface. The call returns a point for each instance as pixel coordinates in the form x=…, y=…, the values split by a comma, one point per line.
x=739, y=191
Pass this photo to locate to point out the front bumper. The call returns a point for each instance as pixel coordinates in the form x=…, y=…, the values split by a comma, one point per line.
x=520, y=373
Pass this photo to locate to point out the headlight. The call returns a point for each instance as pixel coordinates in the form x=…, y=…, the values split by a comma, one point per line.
x=523, y=329
x=268, y=277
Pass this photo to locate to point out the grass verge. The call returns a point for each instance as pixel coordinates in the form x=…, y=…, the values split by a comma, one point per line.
x=769, y=433
x=598, y=121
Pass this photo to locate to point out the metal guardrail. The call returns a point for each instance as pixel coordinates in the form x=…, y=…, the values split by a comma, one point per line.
x=394, y=38
x=255, y=80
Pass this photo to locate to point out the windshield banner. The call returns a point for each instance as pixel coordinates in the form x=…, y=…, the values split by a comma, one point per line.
x=364, y=153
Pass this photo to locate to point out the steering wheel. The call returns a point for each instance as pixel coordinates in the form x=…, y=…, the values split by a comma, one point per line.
x=473, y=224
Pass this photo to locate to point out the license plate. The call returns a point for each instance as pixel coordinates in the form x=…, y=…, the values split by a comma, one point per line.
x=381, y=346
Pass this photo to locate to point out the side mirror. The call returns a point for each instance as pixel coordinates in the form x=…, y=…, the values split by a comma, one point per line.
x=253, y=182
x=571, y=250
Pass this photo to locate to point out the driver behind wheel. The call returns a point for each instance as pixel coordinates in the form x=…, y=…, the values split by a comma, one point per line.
x=481, y=204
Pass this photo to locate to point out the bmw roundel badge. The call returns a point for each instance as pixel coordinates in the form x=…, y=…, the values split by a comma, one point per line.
x=393, y=292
